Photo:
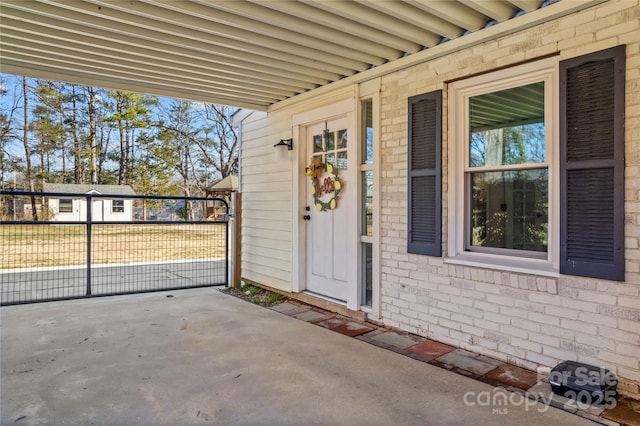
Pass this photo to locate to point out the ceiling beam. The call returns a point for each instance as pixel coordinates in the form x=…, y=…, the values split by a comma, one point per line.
x=527, y=5
x=254, y=53
x=115, y=72
x=209, y=69
x=329, y=25
x=60, y=13
x=177, y=75
x=415, y=17
x=495, y=9
x=214, y=25
x=36, y=70
x=292, y=29
x=268, y=65
x=260, y=33
x=377, y=19
x=453, y=12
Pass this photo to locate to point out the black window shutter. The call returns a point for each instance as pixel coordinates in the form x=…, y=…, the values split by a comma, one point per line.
x=425, y=174
x=592, y=165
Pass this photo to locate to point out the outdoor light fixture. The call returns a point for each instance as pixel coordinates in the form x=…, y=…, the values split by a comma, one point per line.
x=285, y=142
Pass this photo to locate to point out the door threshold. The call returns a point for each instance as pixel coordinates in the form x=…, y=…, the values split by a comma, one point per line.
x=328, y=304
x=327, y=298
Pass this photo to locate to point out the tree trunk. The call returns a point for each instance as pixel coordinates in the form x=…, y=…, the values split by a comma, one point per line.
x=78, y=172
x=27, y=150
x=123, y=135
x=91, y=101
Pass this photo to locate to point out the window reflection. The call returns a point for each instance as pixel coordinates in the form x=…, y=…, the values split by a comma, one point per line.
x=510, y=210
x=367, y=203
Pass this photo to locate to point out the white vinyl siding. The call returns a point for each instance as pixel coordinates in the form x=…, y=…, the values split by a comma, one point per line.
x=266, y=202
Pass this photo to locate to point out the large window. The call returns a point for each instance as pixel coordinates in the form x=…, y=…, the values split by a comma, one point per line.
x=503, y=176
x=507, y=176
x=536, y=167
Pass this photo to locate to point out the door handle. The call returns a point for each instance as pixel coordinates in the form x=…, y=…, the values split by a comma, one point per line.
x=306, y=217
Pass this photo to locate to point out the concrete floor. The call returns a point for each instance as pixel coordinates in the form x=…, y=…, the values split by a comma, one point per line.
x=203, y=357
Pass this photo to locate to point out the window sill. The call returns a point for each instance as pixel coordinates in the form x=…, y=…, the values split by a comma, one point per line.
x=542, y=268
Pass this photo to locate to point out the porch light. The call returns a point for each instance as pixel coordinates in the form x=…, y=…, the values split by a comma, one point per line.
x=285, y=142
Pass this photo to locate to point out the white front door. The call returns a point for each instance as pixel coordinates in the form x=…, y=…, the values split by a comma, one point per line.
x=330, y=212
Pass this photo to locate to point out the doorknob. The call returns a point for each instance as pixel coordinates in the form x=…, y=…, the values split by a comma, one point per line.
x=306, y=217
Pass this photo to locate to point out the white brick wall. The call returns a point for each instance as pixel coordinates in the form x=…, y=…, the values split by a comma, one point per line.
x=525, y=319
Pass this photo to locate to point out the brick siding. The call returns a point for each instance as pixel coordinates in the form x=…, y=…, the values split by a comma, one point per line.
x=524, y=319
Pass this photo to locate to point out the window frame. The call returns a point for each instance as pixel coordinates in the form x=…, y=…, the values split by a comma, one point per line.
x=113, y=207
x=365, y=239
x=370, y=91
x=70, y=207
x=458, y=241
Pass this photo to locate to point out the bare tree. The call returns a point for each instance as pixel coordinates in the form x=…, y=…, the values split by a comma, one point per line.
x=91, y=111
x=27, y=149
x=7, y=123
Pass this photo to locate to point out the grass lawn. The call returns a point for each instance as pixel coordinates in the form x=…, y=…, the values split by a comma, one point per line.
x=24, y=246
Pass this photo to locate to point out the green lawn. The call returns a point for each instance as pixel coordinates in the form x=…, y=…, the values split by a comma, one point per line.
x=57, y=245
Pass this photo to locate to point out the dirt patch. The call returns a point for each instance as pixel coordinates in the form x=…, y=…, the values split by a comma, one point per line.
x=256, y=295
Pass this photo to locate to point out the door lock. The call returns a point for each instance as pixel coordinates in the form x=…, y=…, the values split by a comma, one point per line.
x=306, y=217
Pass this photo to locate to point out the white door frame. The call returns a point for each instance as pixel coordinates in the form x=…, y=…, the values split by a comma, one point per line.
x=299, y=260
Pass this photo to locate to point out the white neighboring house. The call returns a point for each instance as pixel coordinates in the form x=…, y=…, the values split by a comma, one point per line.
x=103, y=209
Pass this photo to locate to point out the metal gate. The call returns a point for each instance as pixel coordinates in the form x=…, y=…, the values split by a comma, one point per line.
x=56, y=246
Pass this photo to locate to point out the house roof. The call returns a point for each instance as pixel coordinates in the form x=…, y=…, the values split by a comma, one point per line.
x=230, y=183
x=87, y=188
x=250, y=54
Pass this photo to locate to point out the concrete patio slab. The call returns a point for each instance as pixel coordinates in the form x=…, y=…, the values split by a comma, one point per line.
x=203, y=357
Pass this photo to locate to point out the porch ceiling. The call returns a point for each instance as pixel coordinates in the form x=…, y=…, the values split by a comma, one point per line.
x=249, y=54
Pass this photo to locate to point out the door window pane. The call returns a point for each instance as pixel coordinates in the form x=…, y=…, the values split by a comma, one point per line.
x=331, y=159
x=331, y=141
x=342, y=139
x=317, y=143
x=342, y=160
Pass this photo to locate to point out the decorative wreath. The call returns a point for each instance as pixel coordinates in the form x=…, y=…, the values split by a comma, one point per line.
x=330, y=184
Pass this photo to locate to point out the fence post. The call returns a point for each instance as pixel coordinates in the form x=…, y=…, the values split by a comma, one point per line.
x=236, y=198
x=89, y=218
